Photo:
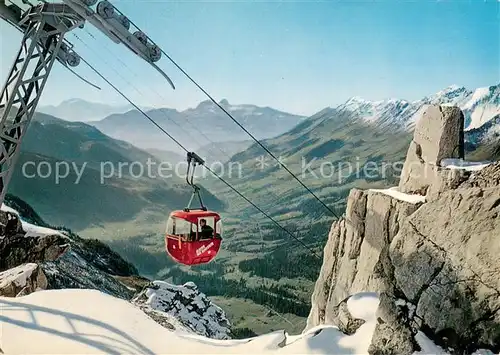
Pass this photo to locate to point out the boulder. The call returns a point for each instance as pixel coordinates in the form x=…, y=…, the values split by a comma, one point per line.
x=438, y=135
x=393, y=334
x=18, y=249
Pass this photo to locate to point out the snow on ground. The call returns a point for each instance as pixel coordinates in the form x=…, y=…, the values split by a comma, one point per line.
x=463, y=165
x=79, y=321
x=330, y=340
x=428, y=347
x=31, y=229
x=75, y=321
x=393, y=192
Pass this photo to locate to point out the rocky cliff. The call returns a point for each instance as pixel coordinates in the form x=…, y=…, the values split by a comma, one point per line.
x=429, y=247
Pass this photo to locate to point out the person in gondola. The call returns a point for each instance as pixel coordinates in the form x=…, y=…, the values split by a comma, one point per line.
x=206, y=231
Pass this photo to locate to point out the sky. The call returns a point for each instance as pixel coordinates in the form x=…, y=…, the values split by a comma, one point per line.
x=296, y=56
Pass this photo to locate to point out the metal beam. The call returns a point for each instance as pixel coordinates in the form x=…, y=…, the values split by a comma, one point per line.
x=26, y=80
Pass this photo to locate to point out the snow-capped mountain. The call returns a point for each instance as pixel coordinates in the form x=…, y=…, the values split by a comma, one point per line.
x=480, y=106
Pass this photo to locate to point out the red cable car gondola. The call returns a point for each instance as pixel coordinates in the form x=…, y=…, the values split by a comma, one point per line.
x=193, y=236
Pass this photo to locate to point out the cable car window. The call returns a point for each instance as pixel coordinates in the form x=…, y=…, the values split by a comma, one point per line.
x=170, y=226
x=218, y=228
x=179, y=226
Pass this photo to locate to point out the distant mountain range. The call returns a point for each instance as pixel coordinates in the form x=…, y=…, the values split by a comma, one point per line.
x=83, y=111
x=368, y=130
x=206, y=126
x=196, y=127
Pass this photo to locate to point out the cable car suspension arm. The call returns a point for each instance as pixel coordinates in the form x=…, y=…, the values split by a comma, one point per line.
x=195, y=159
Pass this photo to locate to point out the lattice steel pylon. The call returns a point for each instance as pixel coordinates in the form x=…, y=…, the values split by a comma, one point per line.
x=44, y=28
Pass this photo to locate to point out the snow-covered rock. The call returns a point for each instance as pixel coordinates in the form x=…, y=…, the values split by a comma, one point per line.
x=32, y=230
x=77, y=269
x=21, y=280
x=187, y=305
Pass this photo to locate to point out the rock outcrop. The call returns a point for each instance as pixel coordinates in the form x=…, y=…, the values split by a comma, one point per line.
x=356, y=251
x=433, y=256
x=90, y=264
x=183, y=306
x=16, y=248
x=438, y=134
x=22, y=280
x=64, y=259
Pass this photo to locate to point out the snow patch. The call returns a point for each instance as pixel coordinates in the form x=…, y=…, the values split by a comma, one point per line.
x=18, y=275
x=395, y=193
x=463, y=165
x=36, y=231
x=427, y=346
x=330, y=340
x=363, y=306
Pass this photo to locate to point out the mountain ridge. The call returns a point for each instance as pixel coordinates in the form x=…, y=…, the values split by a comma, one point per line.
x=202, y=125
x=401, y=113
x=80, y=110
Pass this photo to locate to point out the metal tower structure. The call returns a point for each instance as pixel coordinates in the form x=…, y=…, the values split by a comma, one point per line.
x=44, y=26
